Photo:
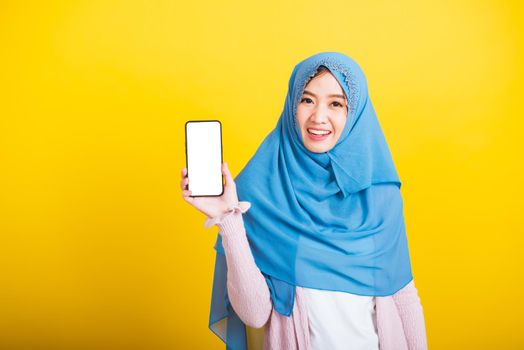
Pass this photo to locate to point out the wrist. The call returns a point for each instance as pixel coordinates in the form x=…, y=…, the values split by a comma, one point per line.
x=223, y=210
x=240, y=207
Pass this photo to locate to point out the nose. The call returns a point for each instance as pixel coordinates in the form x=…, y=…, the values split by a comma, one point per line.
x=319, y=115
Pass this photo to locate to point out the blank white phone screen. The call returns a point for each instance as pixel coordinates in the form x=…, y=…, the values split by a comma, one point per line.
x=204, y=157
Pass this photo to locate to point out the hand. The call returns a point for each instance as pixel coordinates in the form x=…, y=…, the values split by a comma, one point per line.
x=212, y=206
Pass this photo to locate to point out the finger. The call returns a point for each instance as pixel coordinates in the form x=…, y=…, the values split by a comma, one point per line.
x=184, y=172
x=225, y=170
x=230, y=182
x=227, y=174
x=186, y=194
x=184, y=182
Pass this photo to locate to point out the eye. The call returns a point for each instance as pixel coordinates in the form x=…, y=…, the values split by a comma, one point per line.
x=306, y=98
x=339, y=104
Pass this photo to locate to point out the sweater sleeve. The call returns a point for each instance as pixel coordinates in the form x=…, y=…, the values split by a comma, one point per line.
x=412, y=316
x=247, y=289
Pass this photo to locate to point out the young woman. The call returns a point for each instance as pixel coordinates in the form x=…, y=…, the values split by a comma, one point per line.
x=316, y=250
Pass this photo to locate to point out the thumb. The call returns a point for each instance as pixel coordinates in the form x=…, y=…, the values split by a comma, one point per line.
x=227, y=174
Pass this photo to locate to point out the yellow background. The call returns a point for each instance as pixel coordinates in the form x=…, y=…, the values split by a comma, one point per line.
x=98, y=249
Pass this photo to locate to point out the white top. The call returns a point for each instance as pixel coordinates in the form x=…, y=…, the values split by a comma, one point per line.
x=341, y=321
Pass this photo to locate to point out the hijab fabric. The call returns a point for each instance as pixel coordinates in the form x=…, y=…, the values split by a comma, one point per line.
x=331, y=221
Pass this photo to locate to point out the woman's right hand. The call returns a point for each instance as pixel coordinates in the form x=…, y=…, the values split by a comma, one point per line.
x=212, y=206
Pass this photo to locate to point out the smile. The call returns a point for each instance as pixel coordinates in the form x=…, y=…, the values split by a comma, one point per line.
x=318, y=131
x=318, y=135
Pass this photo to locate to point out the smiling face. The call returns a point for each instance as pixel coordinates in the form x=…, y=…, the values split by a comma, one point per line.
x=322, y=112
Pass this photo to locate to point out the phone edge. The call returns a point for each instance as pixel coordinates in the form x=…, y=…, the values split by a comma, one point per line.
x=221, y=153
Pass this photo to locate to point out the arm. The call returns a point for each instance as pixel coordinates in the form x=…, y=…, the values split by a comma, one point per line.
x=412, y=316
x=247, y=289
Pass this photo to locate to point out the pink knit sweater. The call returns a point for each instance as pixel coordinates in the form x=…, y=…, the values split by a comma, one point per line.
x=400, y=319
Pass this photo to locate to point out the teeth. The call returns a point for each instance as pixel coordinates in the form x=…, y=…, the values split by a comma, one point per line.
x=318, y=132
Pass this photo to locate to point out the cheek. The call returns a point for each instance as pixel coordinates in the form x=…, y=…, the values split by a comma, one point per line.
x=340, y=123
x=342, y=120
x=301, y=116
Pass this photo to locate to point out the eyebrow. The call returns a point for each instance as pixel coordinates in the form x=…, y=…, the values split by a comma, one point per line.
x=333, y=95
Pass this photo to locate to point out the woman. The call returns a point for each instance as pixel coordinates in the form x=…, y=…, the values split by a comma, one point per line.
x=316, y=250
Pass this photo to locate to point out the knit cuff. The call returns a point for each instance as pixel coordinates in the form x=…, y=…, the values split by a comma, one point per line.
x=242, y=207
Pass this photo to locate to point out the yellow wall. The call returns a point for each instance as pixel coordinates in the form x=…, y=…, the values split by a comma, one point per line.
x=99, y=251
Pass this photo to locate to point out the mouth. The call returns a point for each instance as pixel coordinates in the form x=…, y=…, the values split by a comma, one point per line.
x=318, y=134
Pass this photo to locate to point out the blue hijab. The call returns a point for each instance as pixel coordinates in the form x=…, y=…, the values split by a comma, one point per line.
x=331, y=221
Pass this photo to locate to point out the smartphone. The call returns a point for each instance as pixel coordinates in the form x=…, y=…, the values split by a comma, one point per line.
x=204, y=158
